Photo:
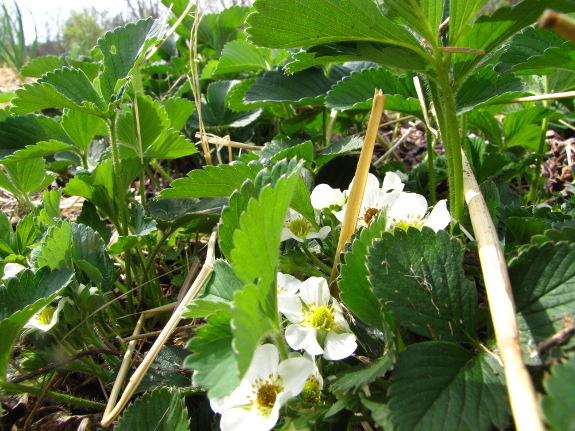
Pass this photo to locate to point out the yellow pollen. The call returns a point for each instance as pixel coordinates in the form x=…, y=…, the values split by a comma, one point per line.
x=311, y=391
x=369, y=214
x=299, y=227
x=45, y=316
x=267, y=394
x=321, y=317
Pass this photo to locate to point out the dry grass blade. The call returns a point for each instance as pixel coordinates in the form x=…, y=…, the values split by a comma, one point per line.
x=358, y=186
x=141, y=371
x=559, y=22
x=524, y=405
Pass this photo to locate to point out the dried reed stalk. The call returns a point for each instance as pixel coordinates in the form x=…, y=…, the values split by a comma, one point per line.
x=358, y=187
x=522, y=397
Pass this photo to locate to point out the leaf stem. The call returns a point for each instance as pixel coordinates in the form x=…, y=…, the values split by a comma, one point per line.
x=315, y=260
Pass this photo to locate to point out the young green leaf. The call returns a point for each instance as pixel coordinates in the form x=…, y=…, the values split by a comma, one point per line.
x=241, y=56
x=160, y=410
x=28, y=176
x=442, y=386
x=213, y=360
x=419, y=278
x=423, y=16
x=82, y=128
x=461, y=12
x=38, y=66
x=179, y=111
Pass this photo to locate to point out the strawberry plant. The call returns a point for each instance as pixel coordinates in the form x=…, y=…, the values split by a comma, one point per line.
x=235, y=170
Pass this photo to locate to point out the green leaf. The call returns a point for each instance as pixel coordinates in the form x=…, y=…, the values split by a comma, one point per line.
x=423, y=16
x=536, y=51
x=256, y=242
x=62, y=88
x=89, y=217
x=361, y=375
x=179, y=111
x=160, y=410
x=212, y=181
x=287, y=149
x=18, y=132
x=442, y=386
x=20, y=299
x=293, y=23
x=166, y=370
x=523, y=128
x=356, y=290
x=252, y=320
x=356, y=92
x=461, y=13
x=419, y=278
x=542, y=278
x=41, y=149
x=213, y=361
x=88, y=246
x=55, y=249
x=82, y=128
x=231, y=216
x=343, y=146
x=558, y=403
x=123, y=48
x=28, y=176
x=215, y=112
x=241, y=56
x=216, y=30
x=486, y=86
x=489, y=32
x=223, y=283
x=38, y=66
x=307, y=87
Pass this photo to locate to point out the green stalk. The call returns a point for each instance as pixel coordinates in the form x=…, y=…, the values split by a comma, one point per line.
x=17, y=388
x=444, y=101
x=534, y=186
x=315, y=260
x=122, y=205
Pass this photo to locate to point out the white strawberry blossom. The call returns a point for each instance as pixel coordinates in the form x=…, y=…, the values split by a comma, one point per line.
x=317, y=323
x=267, y=385
x=298, y=228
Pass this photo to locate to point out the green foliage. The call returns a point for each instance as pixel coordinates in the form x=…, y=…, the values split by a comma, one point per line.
x=20, y=299
x=14, y=49
x=160, y=410
x=25, y=177
x=439, y=385
x=557, y=404
x=541, y=278
x=435, y=299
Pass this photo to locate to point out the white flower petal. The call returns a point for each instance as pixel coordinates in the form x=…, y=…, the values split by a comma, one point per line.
x=12, y=270
x=339, y=346
x=264, y=362
x=291, y=307
x=408, y=207
x=294, y=373
x=315, y=290
x=323, y=196
x=37, y=320
x=323, y=232
x=299, y=337
x=239, y=419
x=439, y=217
x=287, y=283
x=392, y=182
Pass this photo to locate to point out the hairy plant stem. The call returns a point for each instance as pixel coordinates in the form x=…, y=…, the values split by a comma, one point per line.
x=281, y=345
x=17, y=388
x=322, y=266
x=534, y=186
x=122, y=206
x=444, y=102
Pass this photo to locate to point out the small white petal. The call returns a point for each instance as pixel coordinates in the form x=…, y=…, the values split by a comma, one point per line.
x=323, y=232
x=439, y=217
x=323, y=196
x=339, y=346
x=291, y=307
x=315, y=290
x=392, y=182
x=239, y=419
x=294, y=373
x=264, y=362
x=12, y=270
x=287, y=283
x=407, y=207
x=299, y=337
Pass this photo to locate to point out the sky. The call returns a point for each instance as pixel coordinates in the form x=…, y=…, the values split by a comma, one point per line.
x=50, y=14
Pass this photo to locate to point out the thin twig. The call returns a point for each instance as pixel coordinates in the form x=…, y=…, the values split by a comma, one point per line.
x=522, y=397
x=538, y=98
x=216, y=140
x=394, y=147
x=164, y=335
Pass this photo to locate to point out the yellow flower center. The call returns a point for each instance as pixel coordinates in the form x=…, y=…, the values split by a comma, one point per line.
x=299, y=227
x=311, y=391
x=45, y=316
x=265, y=393
x=321, y=317
x=409, y=221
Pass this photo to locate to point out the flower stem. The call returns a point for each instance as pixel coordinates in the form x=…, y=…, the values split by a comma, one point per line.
x=281, y=345
x=315, y=260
